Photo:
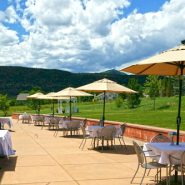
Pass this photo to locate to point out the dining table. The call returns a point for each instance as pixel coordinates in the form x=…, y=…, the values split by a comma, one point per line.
x=70, y=125
x=5, y=120
x=6, y=143
x=93, y=131
x=163, y=151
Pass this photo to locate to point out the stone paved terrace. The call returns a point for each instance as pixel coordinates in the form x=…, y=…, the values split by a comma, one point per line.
x=43, y=159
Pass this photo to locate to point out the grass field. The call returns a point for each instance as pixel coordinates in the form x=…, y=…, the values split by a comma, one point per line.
x=164, y=115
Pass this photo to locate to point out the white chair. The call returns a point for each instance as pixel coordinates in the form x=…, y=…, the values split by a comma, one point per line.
x=86, y=136
x=177, y=164
x=107, y=133
x=160, y=138
x=121, y=134
x=143, y=163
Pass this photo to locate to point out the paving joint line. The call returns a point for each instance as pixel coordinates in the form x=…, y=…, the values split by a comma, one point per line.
x=51, y=156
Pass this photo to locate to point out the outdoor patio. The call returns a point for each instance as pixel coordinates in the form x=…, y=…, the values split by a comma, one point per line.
x=43, y=159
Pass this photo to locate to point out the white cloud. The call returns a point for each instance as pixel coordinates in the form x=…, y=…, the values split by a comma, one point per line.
x=64, y=34
x=2, y=16
x=11, y=15
x=8, y=37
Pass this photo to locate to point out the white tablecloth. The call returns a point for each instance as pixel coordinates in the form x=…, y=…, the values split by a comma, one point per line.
x=64, y=123
x=6, y=143
x=164, y=150
x=6, y=120
x=93, y=130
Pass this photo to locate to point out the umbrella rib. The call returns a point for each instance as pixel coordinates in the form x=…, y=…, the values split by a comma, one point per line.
x=179, y=65
x=146, y=68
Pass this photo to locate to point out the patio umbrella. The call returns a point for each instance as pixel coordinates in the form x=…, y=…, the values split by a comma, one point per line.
x=50, y=97
x=105, y=85
x=35, y=96
x=70, y=92
x=170, y=62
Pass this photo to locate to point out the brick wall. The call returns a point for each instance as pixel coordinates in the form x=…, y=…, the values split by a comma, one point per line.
x=140, y=132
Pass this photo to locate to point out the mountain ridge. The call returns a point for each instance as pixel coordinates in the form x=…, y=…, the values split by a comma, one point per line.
x=16, y=79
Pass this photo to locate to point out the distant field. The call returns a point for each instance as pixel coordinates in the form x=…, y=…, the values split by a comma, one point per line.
x=164, y=115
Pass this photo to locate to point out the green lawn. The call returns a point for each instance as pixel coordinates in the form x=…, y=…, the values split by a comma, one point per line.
x=164, y=115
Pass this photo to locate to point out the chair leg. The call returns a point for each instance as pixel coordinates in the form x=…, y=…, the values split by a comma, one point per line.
x=55, y=133
x=182, y=177
x=148, y=172
x=167, y=176
x=81, y=142
x=170, y=170
x=92, y=141
x=84, y=144
x=143, y=177
x=135, y=174
x=102, y=143
x=124, y=143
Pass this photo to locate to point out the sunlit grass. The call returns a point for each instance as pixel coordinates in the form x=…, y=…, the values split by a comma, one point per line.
x=163, y=116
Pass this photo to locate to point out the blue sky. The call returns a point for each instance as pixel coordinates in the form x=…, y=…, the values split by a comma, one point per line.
x=87, y=35
x=144, y=6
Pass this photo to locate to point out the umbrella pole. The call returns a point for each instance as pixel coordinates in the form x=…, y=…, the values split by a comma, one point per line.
x=53, y=108
x=103, y=117
x=179, y=112
x=39, y=108
x=179, y=106
x=70, y=108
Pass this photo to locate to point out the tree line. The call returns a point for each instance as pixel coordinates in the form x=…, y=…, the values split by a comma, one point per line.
x=153, y=87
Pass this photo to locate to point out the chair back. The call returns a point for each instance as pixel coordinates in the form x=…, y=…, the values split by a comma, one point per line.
x=183, y=160
x=178, y=161
x=107, y=132
x=54, y=121
x=84, y=123
x=100, y=122
x=75, y=124
x=123, y=128
x=160, y=138
x=83, y=131
x=140, y=154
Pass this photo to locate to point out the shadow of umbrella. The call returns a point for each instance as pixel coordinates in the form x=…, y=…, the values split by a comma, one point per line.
x=170, y=62
x=105, y=85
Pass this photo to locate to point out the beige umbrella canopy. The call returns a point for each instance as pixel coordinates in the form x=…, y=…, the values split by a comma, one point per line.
x=70, y=92
x=50, y=97
x=105, y=85
x=35, y=96
x=170, y=62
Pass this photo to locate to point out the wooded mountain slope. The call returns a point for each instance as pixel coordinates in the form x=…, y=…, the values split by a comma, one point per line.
x=14, y=80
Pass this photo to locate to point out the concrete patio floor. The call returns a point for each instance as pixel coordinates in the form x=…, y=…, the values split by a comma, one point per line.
x=43, y=159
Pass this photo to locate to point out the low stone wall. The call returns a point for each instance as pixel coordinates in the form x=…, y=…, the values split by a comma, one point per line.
x=140, y=132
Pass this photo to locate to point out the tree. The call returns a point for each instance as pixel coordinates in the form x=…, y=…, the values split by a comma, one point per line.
x=166, y=86
x=134, y=100
x=119, y=101
x=35, y=104
x=152, y=87
x=4, y=104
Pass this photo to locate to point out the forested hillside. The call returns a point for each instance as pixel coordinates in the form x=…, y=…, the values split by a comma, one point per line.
x=14, y=80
